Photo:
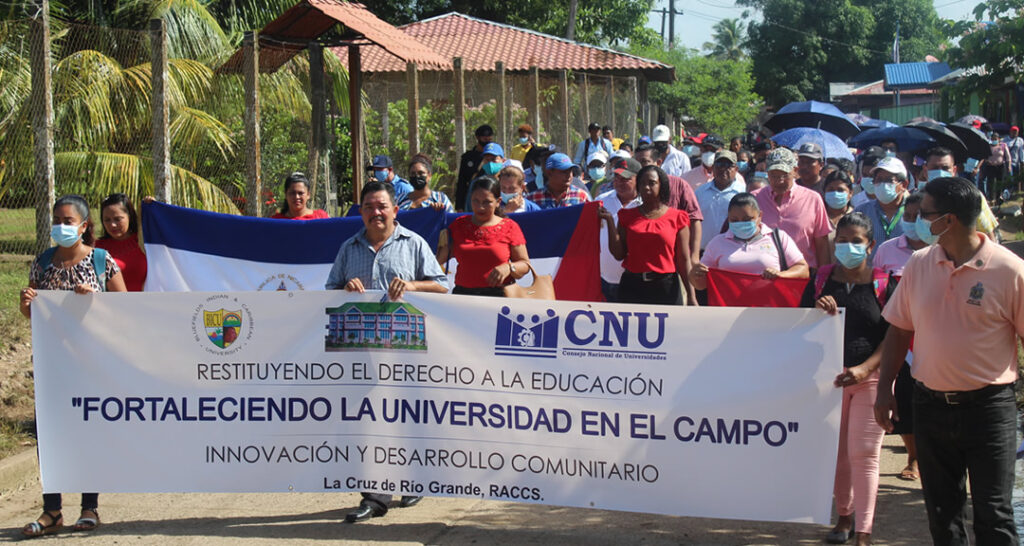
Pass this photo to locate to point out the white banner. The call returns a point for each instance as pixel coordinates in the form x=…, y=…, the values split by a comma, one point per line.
x=711, y=412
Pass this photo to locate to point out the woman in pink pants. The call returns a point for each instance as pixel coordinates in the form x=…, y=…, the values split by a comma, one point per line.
x=861, y=290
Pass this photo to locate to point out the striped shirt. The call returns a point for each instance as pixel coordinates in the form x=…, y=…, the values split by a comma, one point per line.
x=404, y=255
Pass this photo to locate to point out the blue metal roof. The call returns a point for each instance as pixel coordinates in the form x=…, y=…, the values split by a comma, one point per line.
x=913, y=75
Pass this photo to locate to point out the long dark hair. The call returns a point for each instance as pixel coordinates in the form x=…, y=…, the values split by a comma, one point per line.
x=663, y=186
x=120, y=199
x=294, y=178
x=490, y=185
x=81, y=207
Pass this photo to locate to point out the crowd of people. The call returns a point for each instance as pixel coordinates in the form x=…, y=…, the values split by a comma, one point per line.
x=899, y=240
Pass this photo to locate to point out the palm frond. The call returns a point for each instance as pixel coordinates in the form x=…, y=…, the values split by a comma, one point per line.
x=192, y=31
x=192, y=129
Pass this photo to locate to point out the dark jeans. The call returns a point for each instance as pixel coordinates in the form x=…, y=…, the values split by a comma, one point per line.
x=657, y=288
x=492, y=291
x=610, y=291
x=52, y=501
x=975, y=437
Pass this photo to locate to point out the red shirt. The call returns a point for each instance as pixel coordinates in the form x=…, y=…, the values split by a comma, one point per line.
x=129, y=257
x=480, y=248
x=651, y=244
x=318, y=214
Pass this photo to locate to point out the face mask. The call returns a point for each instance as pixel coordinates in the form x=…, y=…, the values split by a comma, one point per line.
x=506, y=197
x=743, y=230
x=742, y=166
x=868, y=183
x=909, y=230
x=690, y=149
x=761, y=174
x=886, y=192
x=851, y=254
x=381, y=176
x=890, y=153
x=524, y=140
x=596, y=173
x=65, y=236
x=707, y=158
x=538, y=176
x=492, y=168
x=418, y=182
x=924, y=230
x=837, y=199
x=938, y=173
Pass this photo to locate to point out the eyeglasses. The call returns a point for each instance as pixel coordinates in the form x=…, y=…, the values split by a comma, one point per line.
x=926, y=213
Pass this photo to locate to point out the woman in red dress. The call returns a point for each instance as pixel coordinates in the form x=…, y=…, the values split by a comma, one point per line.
x=296, y=196
x=489, y=247
x=121, y=239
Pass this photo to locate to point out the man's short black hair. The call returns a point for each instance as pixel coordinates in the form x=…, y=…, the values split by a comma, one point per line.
x=956, y=196
x=655, y=154
x=606, y=128
x=375, y=186
x=938, y=151
x=484, y=130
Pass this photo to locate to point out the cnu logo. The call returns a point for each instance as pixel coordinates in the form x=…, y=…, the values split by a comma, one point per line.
x=537, y=335
x=519, y=335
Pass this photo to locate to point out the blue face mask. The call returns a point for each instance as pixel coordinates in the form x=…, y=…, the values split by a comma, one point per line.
x=596, y=173
x=938, y=173
x=524, y=140
x=743, y=230
x=538, y=176
x=761, y=174
x=492, y=168
x=65, y=236
x=742, y=166
x=868, y=183
x=837, y=199
x=851, y=254
x=910, y=230
x=506, y=197
x=690, y=150
x=886, y=192
x=890, y=153
x=381, y=176
x=924, y=231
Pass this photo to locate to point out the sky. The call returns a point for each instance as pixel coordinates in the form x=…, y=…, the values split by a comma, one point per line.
x=693, y=27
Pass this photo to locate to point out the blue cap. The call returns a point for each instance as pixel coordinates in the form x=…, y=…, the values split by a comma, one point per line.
x=381, y=161
x=560, y=162
x=645, y=140
x=493, y=148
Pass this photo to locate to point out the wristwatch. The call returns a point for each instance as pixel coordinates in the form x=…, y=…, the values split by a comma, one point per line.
x=512, y=268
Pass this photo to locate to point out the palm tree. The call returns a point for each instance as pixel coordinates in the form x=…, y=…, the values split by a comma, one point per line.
x=729, y=40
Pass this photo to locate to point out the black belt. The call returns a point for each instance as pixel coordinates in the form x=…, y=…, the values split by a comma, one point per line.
x=961, y=397
x=649, y=276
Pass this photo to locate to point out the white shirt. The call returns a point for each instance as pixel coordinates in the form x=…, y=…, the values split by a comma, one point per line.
x=714, y=205
x=611, y=269
x=676, y=162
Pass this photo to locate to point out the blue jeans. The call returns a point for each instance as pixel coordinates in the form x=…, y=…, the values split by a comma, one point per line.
x=976, y=436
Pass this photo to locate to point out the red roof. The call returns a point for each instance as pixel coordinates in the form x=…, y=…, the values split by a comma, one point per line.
x=285, y=36
x=480, y=43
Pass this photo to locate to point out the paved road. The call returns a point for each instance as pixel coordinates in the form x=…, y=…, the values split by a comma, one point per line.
x=311, y=518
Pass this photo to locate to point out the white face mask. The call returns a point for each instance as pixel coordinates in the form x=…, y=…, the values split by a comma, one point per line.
x=707, y=158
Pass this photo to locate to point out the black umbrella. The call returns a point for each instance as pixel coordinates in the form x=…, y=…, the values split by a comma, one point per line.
x=975, y=141
x=814, y=114
x=943, y=137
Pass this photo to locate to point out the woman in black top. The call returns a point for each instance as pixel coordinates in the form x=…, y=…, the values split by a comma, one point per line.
x=855, y=286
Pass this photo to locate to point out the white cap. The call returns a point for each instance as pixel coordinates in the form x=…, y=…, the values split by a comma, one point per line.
x=513, y=163
x=661, y=133
x=599, y=155
x=894, y=166
x=624, y=154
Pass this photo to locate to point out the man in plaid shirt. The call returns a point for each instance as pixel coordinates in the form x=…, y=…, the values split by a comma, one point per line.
x=559, y=191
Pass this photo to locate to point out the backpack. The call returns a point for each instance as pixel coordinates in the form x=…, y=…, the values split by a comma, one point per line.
x=99, y=263
x=879, y=278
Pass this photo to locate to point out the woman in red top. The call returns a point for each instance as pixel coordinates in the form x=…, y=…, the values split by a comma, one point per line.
x=121, y=239
x=489, y=247
x=652, y=241
x=296, y=195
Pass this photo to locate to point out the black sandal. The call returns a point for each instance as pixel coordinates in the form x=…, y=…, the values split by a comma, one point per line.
x=87, y=524
x=37, y=529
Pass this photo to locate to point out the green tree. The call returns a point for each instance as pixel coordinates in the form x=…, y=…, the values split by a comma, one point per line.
x=729, y=41
x=991, y=51
x=718, y=95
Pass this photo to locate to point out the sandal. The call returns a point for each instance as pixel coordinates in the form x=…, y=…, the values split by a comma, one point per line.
x=86, y=523
x=38, y=529
x=909, y=474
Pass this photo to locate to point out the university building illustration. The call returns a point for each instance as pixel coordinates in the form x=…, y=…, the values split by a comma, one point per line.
x=370, y=325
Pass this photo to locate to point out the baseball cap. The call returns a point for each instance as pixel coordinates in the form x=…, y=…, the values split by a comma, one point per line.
x=726, y=154
x=622, y=153
x=515, y=163
x=781, y=159
x=811, y=150
x=645, y=140
x=713, y=140
x=495, y=149
x=627, y=168
x=561, y=162
x=381, y=161
x=894, y=166
x=872, y=156
x=661, y=133
x=599, y=155
x=593, y=127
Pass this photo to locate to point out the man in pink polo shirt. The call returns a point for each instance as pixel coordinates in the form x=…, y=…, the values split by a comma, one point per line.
x=792, y=208
x=962, y=301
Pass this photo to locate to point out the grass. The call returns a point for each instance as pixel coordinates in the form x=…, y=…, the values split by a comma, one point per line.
x=17, y=405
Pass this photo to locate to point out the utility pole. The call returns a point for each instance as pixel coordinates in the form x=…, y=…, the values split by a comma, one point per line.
x=671, y=24
x=570, y=32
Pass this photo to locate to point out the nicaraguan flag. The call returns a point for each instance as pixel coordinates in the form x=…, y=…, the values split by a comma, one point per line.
x=194, y=250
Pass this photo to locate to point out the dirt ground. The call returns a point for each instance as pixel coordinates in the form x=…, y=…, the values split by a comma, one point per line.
x=310, y=518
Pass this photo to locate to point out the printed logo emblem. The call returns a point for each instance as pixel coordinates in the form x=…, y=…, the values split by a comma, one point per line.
x=392, y=326
x=534, y=336
x=282, y=282
x=222, y=325
x=977, y=293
